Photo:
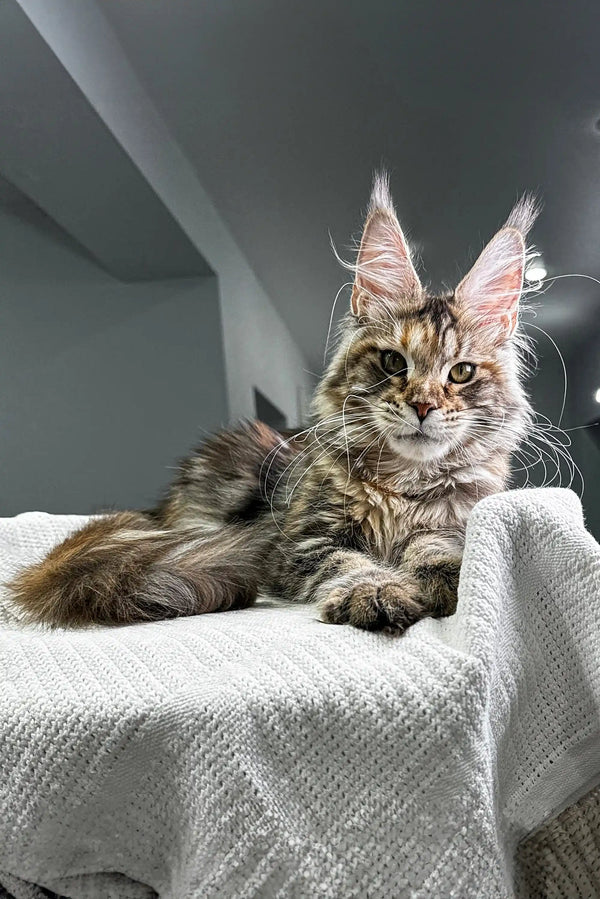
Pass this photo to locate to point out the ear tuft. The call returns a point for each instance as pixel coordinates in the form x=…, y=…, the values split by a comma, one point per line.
x=524, y=214
x=381, y=196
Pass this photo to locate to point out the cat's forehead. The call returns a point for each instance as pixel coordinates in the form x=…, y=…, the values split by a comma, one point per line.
x=426, y=331
x=429, y=331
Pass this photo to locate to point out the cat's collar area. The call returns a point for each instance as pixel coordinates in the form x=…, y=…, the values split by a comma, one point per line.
x=425, y=493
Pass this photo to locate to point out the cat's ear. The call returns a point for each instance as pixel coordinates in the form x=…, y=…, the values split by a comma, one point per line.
x=385, y=276
x=489, y=295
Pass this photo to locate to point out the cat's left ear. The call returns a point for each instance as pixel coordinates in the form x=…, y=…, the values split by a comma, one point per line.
x=385, y=278
x=489, y=295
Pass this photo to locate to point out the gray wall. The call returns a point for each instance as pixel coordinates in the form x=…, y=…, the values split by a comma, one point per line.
x=546, y=388
x=259, y=349
x=584, y=380
x=103, y=385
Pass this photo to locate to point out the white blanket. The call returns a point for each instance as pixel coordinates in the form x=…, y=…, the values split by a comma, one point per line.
x=260, y=753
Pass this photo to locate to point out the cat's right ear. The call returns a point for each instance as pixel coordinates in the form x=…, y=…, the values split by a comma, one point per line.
x=385, y=277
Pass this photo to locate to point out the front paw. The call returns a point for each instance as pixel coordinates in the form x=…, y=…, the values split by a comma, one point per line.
x=375, y=602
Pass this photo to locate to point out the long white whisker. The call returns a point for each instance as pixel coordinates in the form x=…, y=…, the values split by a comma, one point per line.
x=564, y=368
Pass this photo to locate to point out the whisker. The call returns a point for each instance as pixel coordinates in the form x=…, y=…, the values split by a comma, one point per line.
x=564, y=368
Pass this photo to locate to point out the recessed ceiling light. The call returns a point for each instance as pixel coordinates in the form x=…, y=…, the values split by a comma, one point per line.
x=597, y=395
x=536, y=272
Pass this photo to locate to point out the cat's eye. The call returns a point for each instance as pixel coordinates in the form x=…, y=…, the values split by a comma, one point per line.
x=392, y=362
x=461, y=372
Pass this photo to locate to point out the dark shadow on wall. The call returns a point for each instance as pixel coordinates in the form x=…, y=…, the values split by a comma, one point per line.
x=269, y=413
x=583, y=366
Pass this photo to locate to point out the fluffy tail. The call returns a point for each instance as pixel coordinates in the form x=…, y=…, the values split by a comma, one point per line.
x=125, y=568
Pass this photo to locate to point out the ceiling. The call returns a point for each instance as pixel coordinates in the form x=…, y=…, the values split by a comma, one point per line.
x=285, y=109
x=58, y=155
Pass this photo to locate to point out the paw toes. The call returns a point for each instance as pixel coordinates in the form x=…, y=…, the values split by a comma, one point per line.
x=373, y=607
x=336, y=610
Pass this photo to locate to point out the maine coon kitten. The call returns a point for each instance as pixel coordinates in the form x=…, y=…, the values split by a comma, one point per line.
x=365, y=512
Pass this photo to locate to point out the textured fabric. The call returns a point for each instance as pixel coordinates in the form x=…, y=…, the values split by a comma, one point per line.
x=562, y=859
x=260, y=753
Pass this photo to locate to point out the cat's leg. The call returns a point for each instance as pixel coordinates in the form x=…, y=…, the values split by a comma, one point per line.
x=350, y=587
x=434, y=559
x=370, y=595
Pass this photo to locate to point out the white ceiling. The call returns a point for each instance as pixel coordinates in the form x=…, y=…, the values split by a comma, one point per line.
x=286, y=108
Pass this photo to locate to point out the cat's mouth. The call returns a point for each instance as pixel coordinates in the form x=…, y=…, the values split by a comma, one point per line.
x=414, y=435
x=417, y=445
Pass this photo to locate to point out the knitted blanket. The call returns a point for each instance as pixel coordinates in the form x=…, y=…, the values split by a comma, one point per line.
x=261, y=753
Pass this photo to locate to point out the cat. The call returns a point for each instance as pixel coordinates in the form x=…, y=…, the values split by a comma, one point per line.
x=364, y=513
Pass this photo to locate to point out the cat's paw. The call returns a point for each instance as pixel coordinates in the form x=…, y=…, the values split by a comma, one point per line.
x=378, y=602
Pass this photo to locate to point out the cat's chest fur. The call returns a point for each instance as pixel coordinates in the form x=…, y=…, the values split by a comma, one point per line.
x=387, y=518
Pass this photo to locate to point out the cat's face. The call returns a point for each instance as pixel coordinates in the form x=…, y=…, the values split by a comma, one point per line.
x=426, y=383
x=421, y=377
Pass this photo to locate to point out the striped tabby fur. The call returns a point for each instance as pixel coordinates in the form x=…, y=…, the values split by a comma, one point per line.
x=365, y=512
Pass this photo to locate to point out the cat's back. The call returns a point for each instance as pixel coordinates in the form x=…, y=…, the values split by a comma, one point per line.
x=233, y=477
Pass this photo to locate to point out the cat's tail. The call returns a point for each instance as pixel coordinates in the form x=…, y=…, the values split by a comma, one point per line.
x=124, y=568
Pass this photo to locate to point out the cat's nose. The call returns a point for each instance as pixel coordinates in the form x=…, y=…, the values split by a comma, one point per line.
x=422, y=409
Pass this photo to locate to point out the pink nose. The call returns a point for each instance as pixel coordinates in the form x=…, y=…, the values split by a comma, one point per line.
x=422, y=409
